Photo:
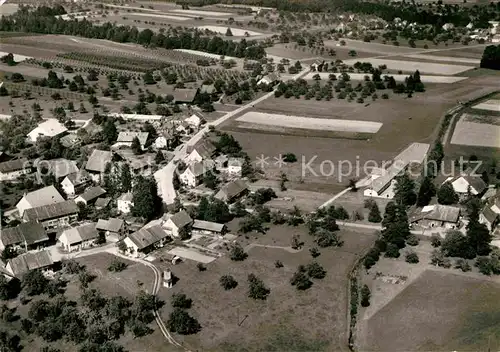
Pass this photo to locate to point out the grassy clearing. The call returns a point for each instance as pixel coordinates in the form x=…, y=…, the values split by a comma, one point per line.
x=312, y=320
x=439, y=311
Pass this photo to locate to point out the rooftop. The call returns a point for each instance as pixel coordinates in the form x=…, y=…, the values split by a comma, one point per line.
x=51, y=211
x=181, y=219
x=146, y=237
x=128, y=137
x=184, y=95
x=92, y=193
x=98, y=160
x=59, y=167
x=232, y=189
x=111, y=224
x=29, y=232
x=440, y=212
x=80, y=233
x=49, y=128
x=43, y=196
x=14, y=165
x=205, y=148
x=30, y=261
x=208, y=225
x=79, y=178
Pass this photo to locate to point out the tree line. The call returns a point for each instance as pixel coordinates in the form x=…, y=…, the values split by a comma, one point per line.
x=42, y=20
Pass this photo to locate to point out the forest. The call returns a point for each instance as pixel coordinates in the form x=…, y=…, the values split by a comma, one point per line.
x=43, y=20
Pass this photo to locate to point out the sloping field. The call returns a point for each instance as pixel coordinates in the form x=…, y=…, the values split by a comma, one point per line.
x=207, y=55
x=235, y=31
x=461, y=60
x=371, y=47
x=471, y=52
x=154, y=15
x=400, y=78
x=476, y=134
x=491, y=105
x=202, y=13
x=310, y=123
x=440, y=311
x=411, y=66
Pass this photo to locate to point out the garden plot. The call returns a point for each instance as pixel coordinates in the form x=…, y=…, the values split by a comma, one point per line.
x=491, y=105
x=476, y=134
x=167, y=17
x=310, y=123
x=400, y=78
x=236, y=31
x=462, y=60
x=412, y=66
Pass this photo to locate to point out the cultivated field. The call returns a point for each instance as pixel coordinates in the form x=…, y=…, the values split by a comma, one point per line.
x=438, y=311
x=412, y=66
x=376, y=48
x=476, y=134
x=397, y=77
x=288, y=121
x=470, y=52
x=237, y=32
x=491, y=105
x=461, y=60
x=154, y=15
x=289, y=320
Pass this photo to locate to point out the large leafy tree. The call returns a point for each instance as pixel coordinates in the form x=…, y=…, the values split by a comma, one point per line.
x=145, y=197
x=425, y=192
x=404, y=192
x=478, y=235
x=446, y=194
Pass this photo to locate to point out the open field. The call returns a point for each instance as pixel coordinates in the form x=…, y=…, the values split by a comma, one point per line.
x=237, y=32
x=377, y=48
x=412, y=66
x=491, y=105
x=202, y=13
x=462, y=60
x=397, y=77
x=154, y=15
x=468, y=52
x=310, y=123
x=490, y=119
x=476, y=134
x=288, y=320
x=438, y=311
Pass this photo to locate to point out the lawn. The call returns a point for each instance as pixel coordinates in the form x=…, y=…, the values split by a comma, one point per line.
x=312, y=320
x=439, y=311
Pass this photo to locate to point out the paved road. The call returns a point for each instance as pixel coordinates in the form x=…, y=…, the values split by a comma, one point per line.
x=164, y=177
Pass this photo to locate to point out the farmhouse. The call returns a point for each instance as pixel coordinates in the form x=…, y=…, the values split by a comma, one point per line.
x=12, y=170
x=164, y=140
x=438, y=216
x=42, y=196
x=90, y=195
x=96, y=164
x=48, y=128
x=28, y=235
x=195, y=121
x=193, y=175
x=184, y=95
x=465, y=184
x=235, y=166
x=75, y=183
x=199, y=152
x=317, y=65
x=232, y=191
x=489, y=218
x=177, y=222
x=52, y=216
x=111, y=226
x=70, y=140
x=125, y=203
x=271, y=78
x=208, y=228
x=145, y=240
x=126, y=138
x=381, y=186
x=78, y=238
x=26, y=262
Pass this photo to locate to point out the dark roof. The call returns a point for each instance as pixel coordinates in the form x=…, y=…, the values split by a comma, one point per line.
x=81, y=233
x=184, y=95
x=102, y=202
x=146, y=237
x=476, y=182
x=489, y=214
x=208, y=225
x=79, y=178
x=98, y=160
x=14, y=165
x=205, y=148
x=111, y=224
x=444, y=213
x=51, y=211
x=181, y=219
x=29, y=232
x=92, y=193
x=30, y=261
x=232, y=189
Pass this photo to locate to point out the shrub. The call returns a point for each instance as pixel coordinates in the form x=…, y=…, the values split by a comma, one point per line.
x=315, y=271
x=228, y=282
x=463, y=265
x=392, y=251
x=411, y=257
x=180, y=300
x=237, y=253
x=314, y=252
x=201, y=267
x=278, y=264
x=257, y=289
x=365, y=296
x=300, y=280
x=182, y=323
x=117, y=265
x=412, y=240
x=435, y=240
x=289, y=158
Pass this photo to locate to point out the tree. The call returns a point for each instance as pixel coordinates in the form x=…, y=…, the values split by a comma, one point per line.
x=435, y=240
x=228, y=32
x=117, y=265
x=315, y=271
x=425, y=192
x=109, y=131
x=300, y=279
x=365, y=296
x=478, y=235
x=404, y=192
x=9, y=289
x=237, y=253
x=145, y=197
x=314, y=252
x=159, y=158
x=446, y=194
x=289, y=158
x=210, y=180
x=181, y=322
x=257, y=289
x=228, y=282
x=352, y=185
x=371, y=258
x=180, y=300
x=325, y=238
x=136, y=146
x=34, y=283
x=411, y=257
x=374, y=215
x=392, y=251
x=125, y=178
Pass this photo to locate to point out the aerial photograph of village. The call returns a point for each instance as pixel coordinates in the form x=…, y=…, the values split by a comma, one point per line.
x=249, y=175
